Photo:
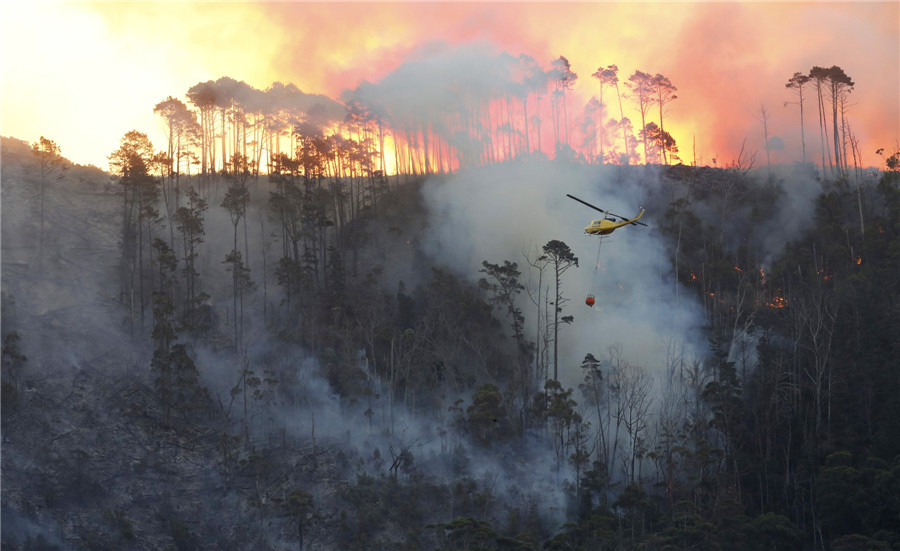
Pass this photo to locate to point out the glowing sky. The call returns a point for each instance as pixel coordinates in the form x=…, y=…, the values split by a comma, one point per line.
x=83, y=74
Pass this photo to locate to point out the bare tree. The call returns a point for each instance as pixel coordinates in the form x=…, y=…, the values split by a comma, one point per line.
x=633, y=386
x=815, y=316
x=764, y=119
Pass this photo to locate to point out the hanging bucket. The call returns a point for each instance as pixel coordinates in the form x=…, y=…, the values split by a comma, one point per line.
x=589, y=300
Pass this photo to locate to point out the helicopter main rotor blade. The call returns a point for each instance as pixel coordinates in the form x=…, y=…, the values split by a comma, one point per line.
x=586, y=203
x=624, y=219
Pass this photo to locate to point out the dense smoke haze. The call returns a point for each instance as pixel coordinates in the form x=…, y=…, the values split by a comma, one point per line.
x=287, y=283
x=508, y=212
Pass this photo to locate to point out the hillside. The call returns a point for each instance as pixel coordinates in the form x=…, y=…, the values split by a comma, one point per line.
x=284, y=362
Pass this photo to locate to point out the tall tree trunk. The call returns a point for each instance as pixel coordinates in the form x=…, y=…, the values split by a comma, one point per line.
x=823, y=129
x=622, y=123
x=838, y=161
x=802, y=133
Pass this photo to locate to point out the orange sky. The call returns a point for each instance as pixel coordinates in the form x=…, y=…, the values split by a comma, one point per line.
x=83, y=74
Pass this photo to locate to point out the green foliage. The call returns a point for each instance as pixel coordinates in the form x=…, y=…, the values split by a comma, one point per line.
x=687, y=532
x=723, y=392
x=380, y=505
x=560, y=404
x=176, y=379
x=597, y=532
x=189, y=223
x=300, y=505
x=235, y=202
x=241, y=283
x=858, y=542
x=858, y=500
x=891, y=162
x=467, y=533
x=774, y=531
x=486, y=416
x=505, y=286
x=51, y=165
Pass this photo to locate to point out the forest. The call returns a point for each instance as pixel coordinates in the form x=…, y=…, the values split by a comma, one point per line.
x=312, y=324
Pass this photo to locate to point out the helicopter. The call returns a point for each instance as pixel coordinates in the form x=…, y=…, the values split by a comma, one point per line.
x=606, y=225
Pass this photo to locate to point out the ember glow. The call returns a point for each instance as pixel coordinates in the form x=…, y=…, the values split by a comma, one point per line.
x=83, y=74
x=777, y=301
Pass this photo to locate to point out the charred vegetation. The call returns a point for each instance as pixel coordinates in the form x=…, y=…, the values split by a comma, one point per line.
x=388, y=381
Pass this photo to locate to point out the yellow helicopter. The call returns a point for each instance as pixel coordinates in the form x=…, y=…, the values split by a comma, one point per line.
x=606, y=225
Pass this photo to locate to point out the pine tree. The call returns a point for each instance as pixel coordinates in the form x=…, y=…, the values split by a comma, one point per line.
x=561, y=258
x=51, y=165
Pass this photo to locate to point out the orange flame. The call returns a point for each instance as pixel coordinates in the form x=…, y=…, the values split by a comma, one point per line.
x=777, y=301
x=859, y=261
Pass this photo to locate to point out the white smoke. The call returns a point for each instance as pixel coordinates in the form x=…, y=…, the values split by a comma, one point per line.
x=503, y=212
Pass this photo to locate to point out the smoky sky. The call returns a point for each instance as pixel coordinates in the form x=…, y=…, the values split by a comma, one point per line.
x=726, y=58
